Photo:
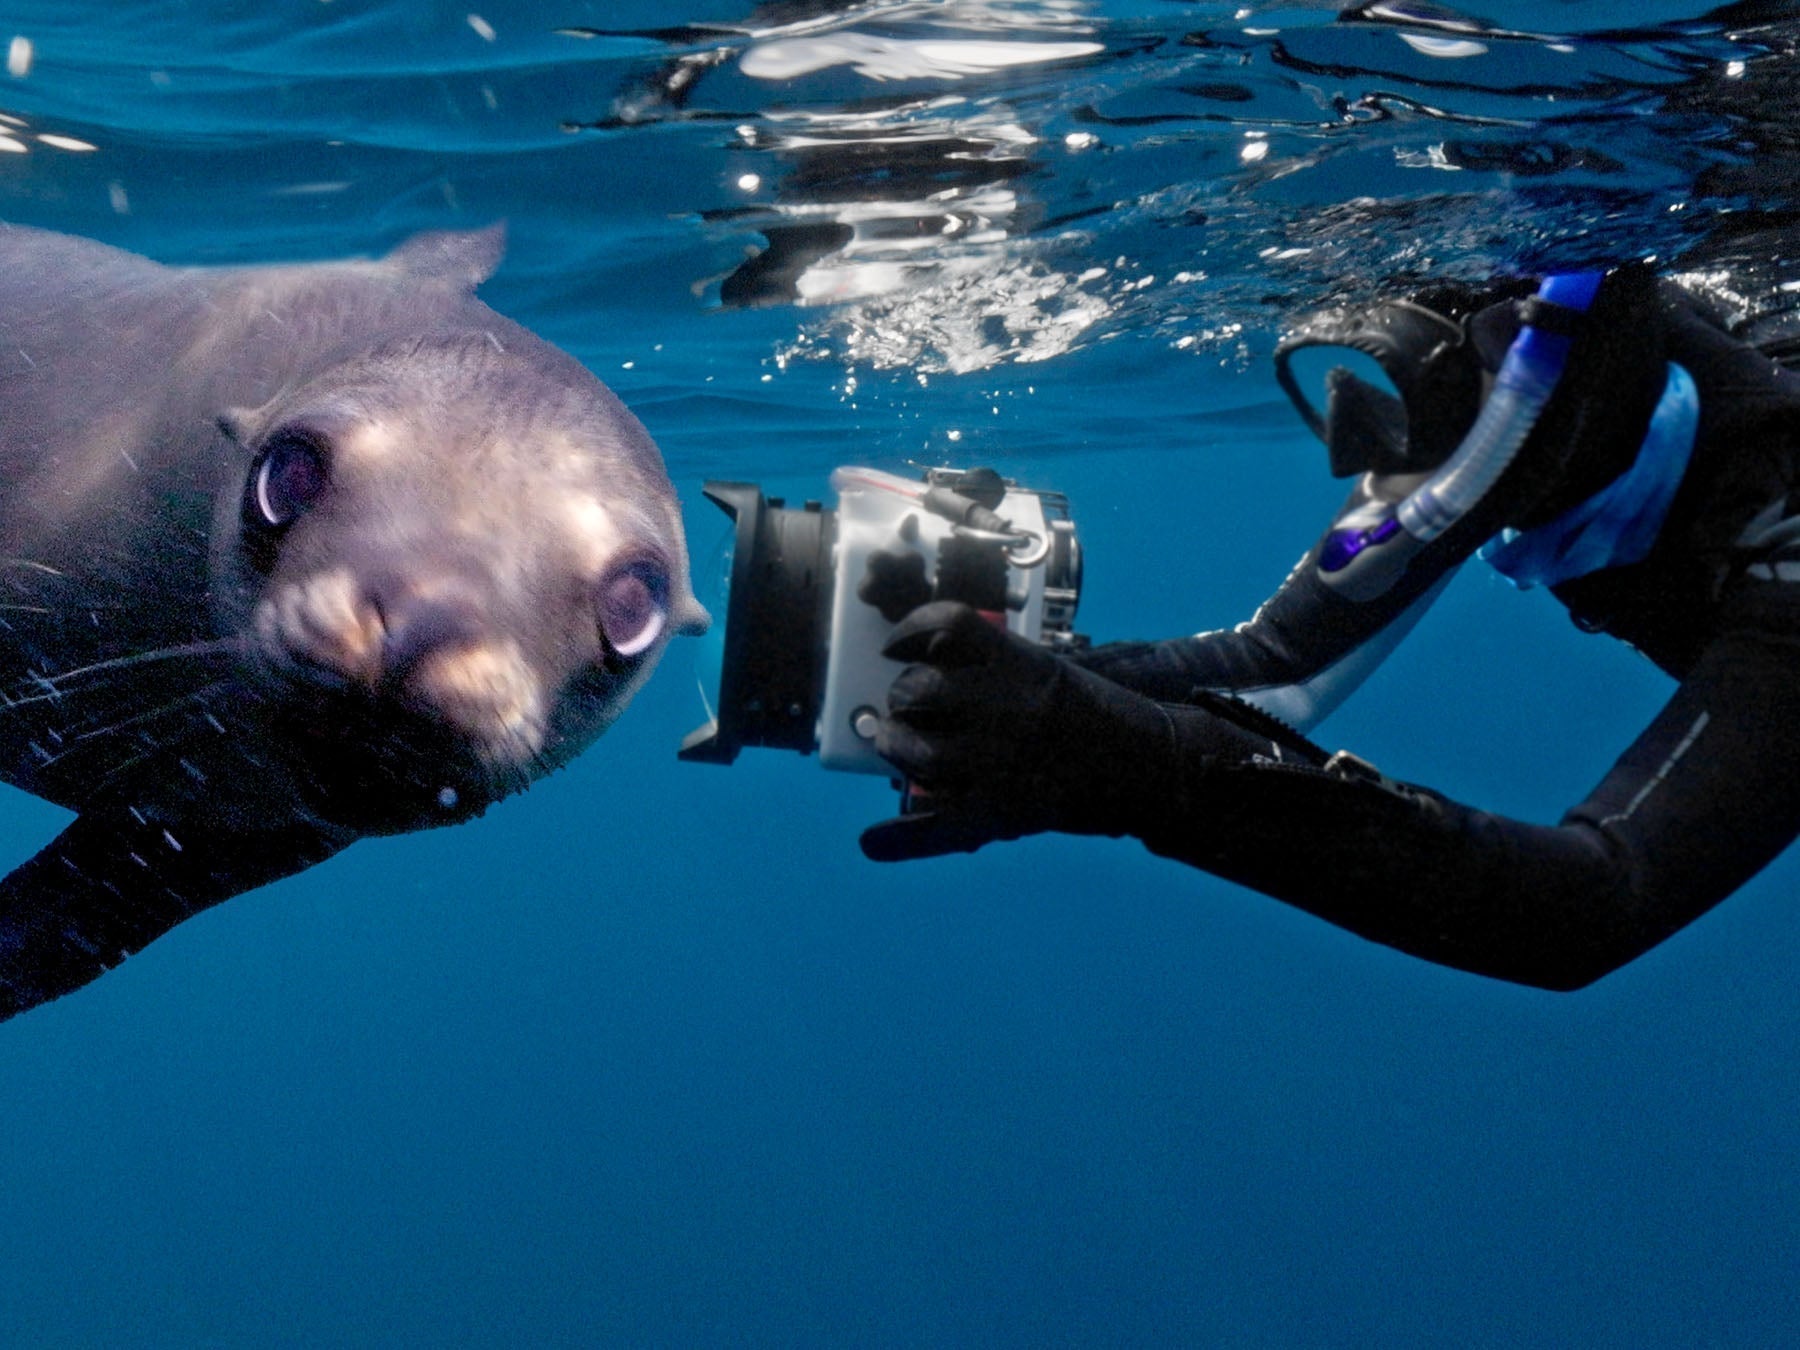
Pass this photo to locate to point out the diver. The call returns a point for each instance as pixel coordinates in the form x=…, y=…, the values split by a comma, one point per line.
x=1599, y=434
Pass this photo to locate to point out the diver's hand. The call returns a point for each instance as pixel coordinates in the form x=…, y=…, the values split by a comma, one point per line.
x=1007, y=739
x=1168, y=670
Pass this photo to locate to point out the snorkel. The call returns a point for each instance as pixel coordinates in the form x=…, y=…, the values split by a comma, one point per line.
x=1370, y=549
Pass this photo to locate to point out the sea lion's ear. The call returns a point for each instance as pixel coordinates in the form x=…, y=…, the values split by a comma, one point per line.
x=464, y=258
x=245, y=427
x=239, y=424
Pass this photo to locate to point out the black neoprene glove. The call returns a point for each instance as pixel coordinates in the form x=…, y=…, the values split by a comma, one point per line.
x=1008, y=739
x=1168, y=670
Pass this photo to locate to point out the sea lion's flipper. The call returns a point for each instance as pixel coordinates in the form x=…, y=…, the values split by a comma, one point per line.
x=115, y=880
x=464, y=258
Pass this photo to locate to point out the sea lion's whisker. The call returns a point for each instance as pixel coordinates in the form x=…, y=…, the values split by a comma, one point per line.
x=211, y=647
x=53, y=688
x=196, y=697
x=122, y=768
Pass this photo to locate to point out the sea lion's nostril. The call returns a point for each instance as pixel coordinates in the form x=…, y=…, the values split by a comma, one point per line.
x=416, y=628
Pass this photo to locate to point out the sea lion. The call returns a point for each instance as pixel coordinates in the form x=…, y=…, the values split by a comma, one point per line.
x=291, y=555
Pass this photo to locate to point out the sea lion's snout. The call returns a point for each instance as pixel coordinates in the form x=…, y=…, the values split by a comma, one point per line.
x=427, y=648
x=455, y=556
x=489, y=693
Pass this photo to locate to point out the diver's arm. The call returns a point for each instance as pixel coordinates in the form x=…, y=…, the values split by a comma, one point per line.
x=1010, y=741
x=1700, y=802
x=1306, y=649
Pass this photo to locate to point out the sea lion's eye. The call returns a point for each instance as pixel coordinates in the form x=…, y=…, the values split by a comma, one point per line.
x=289, y=477
x=634, y=605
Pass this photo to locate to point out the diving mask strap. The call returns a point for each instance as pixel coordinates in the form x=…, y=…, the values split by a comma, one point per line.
x=1369, y=550
x=1409, y=427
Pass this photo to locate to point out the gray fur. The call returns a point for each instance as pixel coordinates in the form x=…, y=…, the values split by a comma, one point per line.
x=168, y=663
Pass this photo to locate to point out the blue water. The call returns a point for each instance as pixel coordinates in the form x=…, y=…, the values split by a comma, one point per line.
x=651, y=1056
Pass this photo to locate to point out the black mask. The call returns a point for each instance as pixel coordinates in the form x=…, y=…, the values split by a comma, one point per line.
x=1390, y=390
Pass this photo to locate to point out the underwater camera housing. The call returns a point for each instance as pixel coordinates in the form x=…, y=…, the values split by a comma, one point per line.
x=814, y=593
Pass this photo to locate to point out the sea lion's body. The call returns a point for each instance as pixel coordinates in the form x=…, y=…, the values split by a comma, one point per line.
x=425, y=608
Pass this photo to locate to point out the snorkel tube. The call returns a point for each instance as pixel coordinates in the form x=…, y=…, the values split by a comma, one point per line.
x=1370, y=549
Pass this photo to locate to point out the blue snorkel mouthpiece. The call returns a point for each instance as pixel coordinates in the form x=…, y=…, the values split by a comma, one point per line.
x=1363, y=557
x=1526, y=380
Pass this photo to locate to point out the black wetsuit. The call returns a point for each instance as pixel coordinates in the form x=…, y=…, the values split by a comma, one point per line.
x=1702, y=800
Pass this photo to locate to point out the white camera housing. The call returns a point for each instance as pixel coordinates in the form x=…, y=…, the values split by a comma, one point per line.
x=882, y=513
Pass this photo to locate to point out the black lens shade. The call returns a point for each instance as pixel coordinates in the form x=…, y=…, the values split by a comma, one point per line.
x=774, y=664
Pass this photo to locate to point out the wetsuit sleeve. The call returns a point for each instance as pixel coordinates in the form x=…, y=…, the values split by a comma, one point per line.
x=1702, y=800
x=1304, y=651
